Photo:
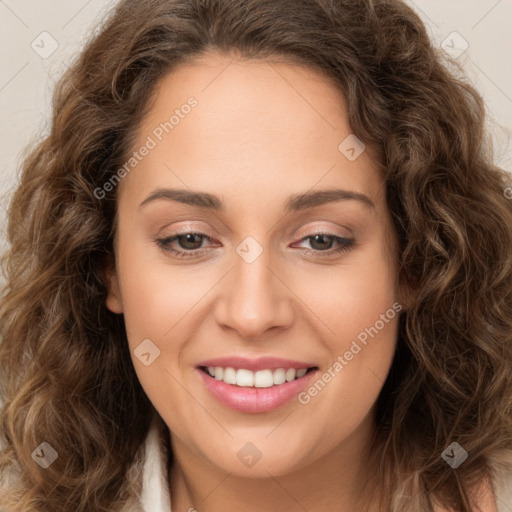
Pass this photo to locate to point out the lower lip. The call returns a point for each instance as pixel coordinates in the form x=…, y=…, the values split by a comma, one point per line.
x=254, y=400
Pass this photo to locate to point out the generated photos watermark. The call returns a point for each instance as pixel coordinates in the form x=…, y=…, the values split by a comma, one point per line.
x=157, y=135
x=343, y=360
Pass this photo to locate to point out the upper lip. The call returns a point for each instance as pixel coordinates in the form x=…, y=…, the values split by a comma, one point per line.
x=260, y=363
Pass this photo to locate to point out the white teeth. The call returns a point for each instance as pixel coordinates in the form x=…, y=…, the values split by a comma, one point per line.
x=230, y=376
x=244, y=378
x=263, y=379
x=259, y=379
x=279, y=376
x=290, y=374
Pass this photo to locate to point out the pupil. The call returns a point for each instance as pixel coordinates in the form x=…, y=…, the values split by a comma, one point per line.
x=189, y=238
x=322, y=237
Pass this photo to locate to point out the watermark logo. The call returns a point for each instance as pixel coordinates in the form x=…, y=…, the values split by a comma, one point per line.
x=454, y=45
x=45, y=455
x=44, y=45
x=146, y=352
x=454, y=455
x=249, y=455
x=249, y=249
x=351, y=147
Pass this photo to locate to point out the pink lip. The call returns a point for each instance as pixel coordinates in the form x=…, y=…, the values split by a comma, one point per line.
x=255, y=400
x=261, y=363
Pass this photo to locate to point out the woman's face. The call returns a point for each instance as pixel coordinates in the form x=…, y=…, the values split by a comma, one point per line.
x=257, y=290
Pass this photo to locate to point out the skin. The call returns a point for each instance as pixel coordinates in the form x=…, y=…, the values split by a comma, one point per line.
x=262, y=131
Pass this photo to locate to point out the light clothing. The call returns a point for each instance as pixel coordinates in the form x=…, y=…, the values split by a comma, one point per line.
x=155, y=476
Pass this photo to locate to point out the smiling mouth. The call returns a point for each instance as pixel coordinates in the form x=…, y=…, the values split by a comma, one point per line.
x=260, y=379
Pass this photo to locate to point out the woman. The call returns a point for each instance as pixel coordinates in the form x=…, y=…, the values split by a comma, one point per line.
x=175, y=332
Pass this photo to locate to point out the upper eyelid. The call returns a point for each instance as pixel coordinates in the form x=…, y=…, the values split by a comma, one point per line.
x=316, y=229
x=200, y=232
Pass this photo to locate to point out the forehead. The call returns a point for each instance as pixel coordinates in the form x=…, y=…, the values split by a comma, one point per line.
x=260, y=129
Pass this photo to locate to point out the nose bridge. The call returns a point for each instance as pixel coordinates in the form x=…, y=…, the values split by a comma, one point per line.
x=254, y=299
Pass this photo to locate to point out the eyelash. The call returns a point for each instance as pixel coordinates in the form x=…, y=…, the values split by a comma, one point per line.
x=346, y=244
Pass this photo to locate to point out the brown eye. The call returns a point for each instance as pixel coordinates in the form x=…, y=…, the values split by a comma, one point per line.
x=190, y=243
x=322, y=244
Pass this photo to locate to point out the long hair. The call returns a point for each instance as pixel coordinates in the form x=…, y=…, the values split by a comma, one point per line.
x=66, y=376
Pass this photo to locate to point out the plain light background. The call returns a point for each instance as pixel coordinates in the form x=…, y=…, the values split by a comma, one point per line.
x=476, y=32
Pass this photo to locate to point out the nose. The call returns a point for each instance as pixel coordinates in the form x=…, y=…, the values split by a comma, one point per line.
x=254, y=298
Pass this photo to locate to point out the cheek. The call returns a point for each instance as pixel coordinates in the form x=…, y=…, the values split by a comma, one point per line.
x=347, y=388
x=156, y=295
x=350, y=297
x=359, y=315
x=158, y=302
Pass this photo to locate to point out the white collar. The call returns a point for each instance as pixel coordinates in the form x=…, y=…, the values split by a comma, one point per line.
x=155, y=496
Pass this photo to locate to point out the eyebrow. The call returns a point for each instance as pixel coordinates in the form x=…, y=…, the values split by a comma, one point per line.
x=296, y=202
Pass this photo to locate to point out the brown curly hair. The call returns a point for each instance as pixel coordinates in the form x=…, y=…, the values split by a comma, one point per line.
x=66, y=376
